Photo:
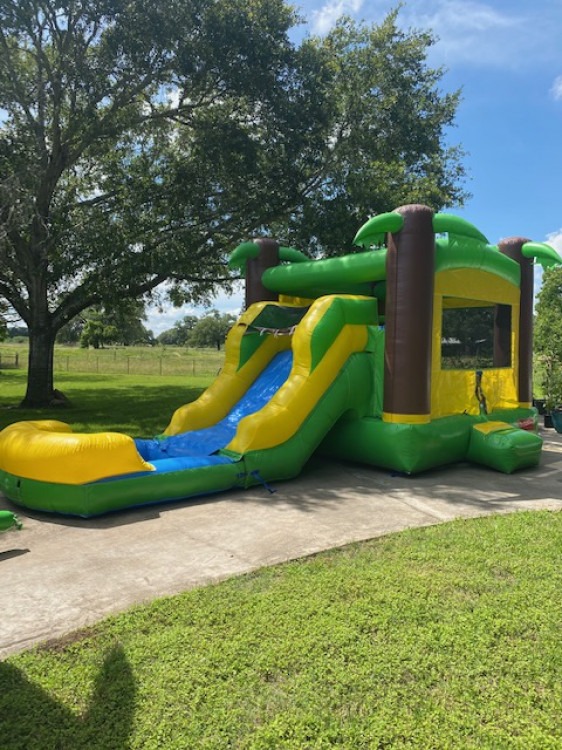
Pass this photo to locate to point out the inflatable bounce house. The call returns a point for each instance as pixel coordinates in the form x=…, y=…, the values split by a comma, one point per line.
x=360, y=357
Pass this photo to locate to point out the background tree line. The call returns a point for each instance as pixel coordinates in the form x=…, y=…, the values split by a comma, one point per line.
x=100, y=327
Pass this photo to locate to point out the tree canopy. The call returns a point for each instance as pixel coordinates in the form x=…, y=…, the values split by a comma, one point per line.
x=122, y=324
x=548, y=323
x=548, y=334
x=389, y=135
x=211, y=330
x=140, y=141
x=179, y=334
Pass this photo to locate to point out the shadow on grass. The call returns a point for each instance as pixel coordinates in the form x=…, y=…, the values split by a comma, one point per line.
x=31, y=719
x=139, y=411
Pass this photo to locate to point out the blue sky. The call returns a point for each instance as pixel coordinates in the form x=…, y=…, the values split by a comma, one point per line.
x=506, y=56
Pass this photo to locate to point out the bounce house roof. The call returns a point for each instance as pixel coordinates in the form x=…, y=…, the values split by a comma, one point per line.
x=458, y=244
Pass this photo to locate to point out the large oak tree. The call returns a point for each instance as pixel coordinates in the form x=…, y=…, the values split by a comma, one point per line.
x=391, y=135
x=140, y=141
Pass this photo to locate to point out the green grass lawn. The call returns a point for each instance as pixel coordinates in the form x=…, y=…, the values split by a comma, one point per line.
x=134, y=404
x=442, y=637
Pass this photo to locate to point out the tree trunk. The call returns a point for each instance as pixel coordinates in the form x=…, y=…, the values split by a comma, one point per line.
x=40, y=391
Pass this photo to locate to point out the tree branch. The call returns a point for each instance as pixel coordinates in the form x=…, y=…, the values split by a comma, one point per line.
x=16, y=301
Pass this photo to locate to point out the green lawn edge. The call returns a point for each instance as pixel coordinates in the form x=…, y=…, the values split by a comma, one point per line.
x=441, y=637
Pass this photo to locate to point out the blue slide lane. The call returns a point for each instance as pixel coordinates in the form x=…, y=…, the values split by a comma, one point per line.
x=196, y=448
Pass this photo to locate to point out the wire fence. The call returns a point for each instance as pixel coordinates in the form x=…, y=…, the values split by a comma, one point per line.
x=10, y=361
x=135, y=361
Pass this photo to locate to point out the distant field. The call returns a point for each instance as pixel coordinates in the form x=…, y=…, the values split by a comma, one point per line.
x=130, y=360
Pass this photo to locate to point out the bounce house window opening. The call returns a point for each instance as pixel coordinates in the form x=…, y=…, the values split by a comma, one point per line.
x=475, y=336
x=277, y=320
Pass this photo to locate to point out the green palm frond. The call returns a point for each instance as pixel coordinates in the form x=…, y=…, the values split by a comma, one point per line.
x=456, y=225
x=373, y=231
x=542, y=253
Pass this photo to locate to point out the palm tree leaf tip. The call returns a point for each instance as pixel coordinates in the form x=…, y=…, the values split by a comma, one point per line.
x=373, y=231
x=451, y=224
x=542, y=253
x=242, y=253
x=292, y=255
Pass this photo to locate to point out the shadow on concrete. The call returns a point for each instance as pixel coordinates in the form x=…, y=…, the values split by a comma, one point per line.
x=323, y=482
x=8, y=554
x=471, y=486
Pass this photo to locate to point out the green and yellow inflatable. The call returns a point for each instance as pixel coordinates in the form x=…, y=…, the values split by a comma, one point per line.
x=369, y=357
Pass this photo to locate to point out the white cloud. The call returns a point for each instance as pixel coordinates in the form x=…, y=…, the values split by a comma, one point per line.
x=555, y=239
x=475, y=32
x=158, y=321
x=326, y=17
x=556, y=89
x=467, y=15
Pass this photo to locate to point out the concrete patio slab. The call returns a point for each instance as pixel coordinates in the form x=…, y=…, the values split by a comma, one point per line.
x=60, y=574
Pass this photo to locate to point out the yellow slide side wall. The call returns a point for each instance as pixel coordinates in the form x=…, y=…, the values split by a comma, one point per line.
x=232, y=382
x=452, y=391
x=49, y=451
x=280, y=419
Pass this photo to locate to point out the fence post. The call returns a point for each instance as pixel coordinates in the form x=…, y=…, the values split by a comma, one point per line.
x=17, y=360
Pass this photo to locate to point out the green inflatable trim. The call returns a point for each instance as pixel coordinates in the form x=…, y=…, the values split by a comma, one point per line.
x=411, y=448
x=9, y=520
x=452, y=224
x=329, y=274
x=505, y=449
x=362, y=273
x=292, y=255
x=96, y=498
x=466, y=253
x=249, y=250
x=543, y=253
x=243, y=252
x=340, y=313
x=374, y=231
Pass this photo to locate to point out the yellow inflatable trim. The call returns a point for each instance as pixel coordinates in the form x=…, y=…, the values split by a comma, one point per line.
x=280, y=419
x=487, y=427
x=48, y=451
x=233, y=381
x=477, y=285
x=286, y=299
x=406, y=418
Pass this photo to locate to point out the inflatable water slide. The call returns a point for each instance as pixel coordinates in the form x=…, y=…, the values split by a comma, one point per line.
x=342, y=355
x=290, y=373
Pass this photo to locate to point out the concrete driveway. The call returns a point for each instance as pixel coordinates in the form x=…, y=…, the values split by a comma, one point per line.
x=59, y=574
